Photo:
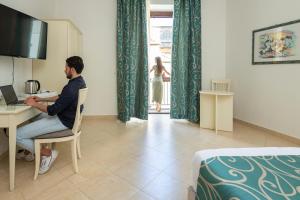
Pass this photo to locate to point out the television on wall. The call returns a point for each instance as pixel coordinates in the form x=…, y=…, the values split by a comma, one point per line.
x=22, y=35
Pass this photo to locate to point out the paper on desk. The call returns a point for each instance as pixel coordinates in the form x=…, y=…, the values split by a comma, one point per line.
x=42, y=95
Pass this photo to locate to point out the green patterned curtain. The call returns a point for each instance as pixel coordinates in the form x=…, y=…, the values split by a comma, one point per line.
x=132, y=59
x=186, y=60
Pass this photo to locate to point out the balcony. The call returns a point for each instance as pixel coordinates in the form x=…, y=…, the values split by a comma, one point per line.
x=160, y=44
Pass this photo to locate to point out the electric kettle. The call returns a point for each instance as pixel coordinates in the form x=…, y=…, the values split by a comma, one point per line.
x=32, y=86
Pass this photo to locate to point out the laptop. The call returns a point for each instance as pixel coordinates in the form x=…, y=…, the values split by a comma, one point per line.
x=10, y=96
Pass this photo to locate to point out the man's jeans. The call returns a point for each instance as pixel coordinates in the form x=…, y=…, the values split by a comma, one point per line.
x=42, y=125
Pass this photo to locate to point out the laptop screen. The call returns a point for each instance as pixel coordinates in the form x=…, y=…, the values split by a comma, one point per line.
x=9, y=94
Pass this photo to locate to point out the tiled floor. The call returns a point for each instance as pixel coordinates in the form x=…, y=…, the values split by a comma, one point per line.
x=140, y=161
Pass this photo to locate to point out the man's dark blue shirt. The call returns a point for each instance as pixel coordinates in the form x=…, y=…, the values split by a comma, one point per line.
x=65, y=106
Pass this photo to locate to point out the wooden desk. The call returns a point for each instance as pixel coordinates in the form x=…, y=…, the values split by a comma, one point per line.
x=216, y=110
x=11, y=117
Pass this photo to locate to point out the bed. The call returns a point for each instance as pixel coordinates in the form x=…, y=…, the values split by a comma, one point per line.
x=246, y=173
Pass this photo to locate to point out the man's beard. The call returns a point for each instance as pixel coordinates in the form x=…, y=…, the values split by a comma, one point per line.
x=69, y=76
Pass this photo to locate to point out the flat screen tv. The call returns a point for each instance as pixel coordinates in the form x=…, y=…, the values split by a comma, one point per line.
x=22, y=35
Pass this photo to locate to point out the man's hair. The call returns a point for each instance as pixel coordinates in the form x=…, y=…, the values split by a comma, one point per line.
x=76, y=63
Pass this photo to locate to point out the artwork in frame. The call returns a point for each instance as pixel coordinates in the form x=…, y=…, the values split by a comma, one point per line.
x=279, y=44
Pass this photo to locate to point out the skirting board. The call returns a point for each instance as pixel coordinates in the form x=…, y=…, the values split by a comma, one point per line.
x=275, y=133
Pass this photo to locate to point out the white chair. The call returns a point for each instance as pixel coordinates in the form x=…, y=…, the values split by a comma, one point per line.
x=72, y=135
x=221, y=85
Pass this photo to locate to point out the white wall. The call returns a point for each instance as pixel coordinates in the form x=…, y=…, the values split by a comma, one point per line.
x=265, y=95
x=36, y=8
x=23, y=67
x=213, y=41
x=97, y=21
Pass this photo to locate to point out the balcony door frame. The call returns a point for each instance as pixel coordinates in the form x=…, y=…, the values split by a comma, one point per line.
x=159, y=14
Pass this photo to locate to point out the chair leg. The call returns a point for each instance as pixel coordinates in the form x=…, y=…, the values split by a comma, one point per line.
x=74, y=155
x=78, y=147
x=37, y=147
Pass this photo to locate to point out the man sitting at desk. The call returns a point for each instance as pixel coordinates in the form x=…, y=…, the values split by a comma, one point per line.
x=56, y=117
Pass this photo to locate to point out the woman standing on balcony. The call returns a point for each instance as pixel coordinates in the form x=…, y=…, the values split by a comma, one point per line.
x=157, y=82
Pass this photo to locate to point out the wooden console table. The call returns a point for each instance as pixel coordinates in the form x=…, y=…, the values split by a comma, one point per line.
x=216, y=110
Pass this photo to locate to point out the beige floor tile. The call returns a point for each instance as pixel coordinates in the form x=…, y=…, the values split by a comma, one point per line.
x=138, y=160
x=275, y=141
x=5, y=194
x=33, y=188
x=64, y=190
x=181, y=170
x=109, y=187
x=172, y=149
x=137, y=173
x=165, y=187
x=155, y=159
x=141, y=196
x=88, y=170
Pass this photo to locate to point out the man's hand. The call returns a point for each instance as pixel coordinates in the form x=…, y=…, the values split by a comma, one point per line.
x=37, y=99
x=33, y=103
x=30, y=101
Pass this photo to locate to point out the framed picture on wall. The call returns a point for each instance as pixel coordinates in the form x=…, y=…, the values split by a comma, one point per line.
x=279, y=44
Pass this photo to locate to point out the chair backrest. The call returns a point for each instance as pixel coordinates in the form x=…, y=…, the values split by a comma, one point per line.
x=221, y=85
x=82, y=94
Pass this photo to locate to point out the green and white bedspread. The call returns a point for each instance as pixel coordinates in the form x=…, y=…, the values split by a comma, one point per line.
x=249, y=178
